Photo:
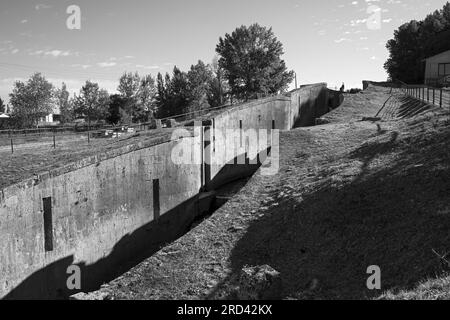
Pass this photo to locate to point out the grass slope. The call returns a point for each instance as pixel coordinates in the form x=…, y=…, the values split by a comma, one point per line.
x=348, y=195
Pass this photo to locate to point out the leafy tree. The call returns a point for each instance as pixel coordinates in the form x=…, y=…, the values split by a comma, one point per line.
x=64, y=103
x=161, y=96
x=2, y=106
x=92, y=102
x=415, y=41
x=146, y=99
x=31, y=100
x=252, y=64
x=116, y=112
x=200, y=78
x=139, y=94
x=129, y=84
x=217, y=86
x=173, y=95
x=178, y=91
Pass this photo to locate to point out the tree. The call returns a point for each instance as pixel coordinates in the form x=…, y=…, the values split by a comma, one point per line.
x=178, y=92
x=139, y=94
x=64, y=103
x=200, y=77
x=161, y=96
x=415, y=41
x=218, y=85
x=2, y=106
x=252, y=64
x=116, y=112
x=31, y=100
x=146, y=99
x=129, y=85
x=173, y=95
x=92, y=102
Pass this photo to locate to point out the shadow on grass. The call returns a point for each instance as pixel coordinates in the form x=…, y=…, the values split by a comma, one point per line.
x=411, y=107
x=393, y=218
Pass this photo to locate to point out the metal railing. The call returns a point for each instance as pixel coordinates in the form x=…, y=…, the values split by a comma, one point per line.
x=15, y=138
x=59, y=135
x=439, y=97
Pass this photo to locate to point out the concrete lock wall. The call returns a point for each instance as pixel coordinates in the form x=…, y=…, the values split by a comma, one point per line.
x=97, y=214
x=227, y=165
x=298, y=108
x=108, y=212
x=309, y=103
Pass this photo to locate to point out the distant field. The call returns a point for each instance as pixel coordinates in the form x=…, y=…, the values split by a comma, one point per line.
x=26, y=141
x=34, y=155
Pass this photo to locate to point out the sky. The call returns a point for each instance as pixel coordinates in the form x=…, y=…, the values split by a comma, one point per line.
x=332, y=41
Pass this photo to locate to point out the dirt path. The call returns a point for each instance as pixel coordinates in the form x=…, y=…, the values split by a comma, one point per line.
x=348, y=195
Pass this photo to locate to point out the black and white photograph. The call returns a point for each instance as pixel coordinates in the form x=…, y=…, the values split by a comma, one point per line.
x=229, y=157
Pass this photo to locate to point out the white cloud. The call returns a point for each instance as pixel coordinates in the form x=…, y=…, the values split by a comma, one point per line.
x=42, y=6
x=57, y=53
x=53, y=53
x=147, y=67
x=342, y=40
x=82, y=66
x=106, y=64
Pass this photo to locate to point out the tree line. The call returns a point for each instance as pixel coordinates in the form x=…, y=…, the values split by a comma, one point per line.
x=2, y=106
x=415, y=41
x=248, y=65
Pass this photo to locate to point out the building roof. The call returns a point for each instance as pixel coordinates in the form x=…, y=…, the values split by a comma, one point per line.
x=439, y=54
x=3, y=116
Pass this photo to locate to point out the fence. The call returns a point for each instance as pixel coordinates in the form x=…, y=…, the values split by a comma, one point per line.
x=436, y=96
x=15, y=137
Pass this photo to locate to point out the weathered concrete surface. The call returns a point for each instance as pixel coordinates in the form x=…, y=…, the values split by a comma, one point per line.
x=308, y=103
x=95, y=209
x=298, y=108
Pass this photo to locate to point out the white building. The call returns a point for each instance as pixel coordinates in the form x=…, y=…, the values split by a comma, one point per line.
x=437, y=69
x=49, y=120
